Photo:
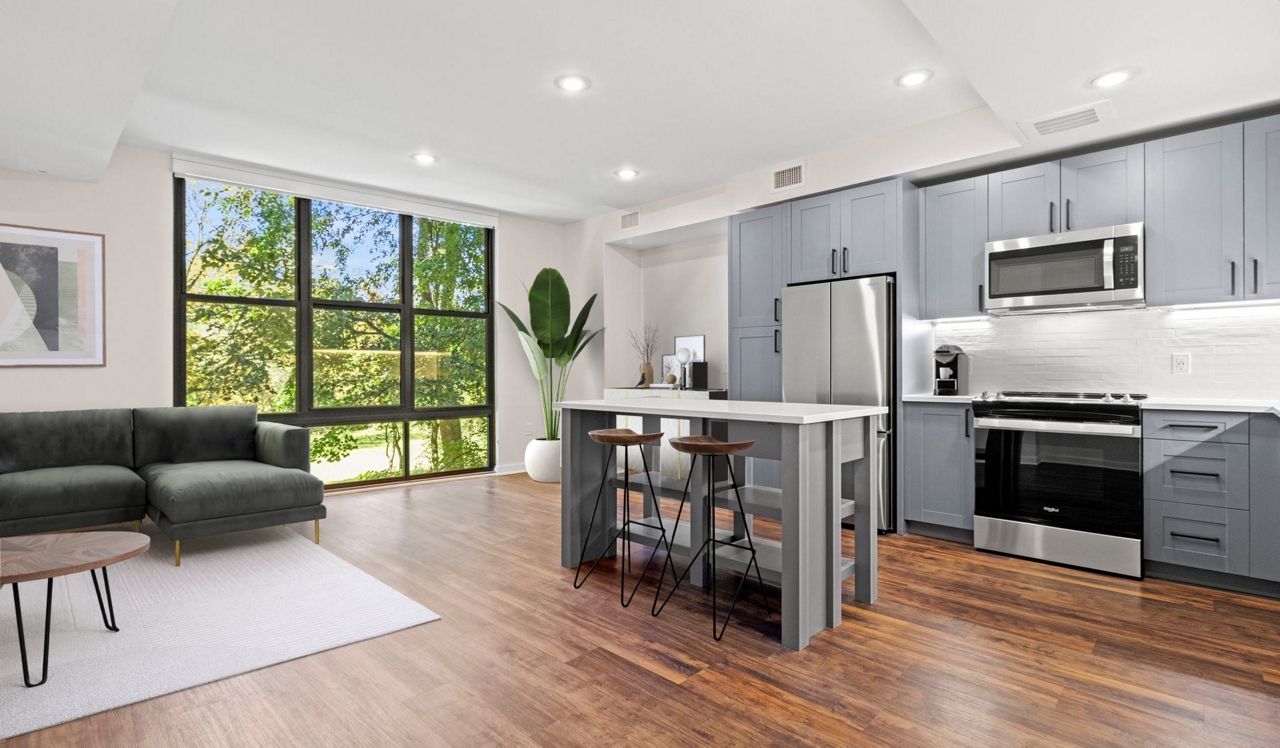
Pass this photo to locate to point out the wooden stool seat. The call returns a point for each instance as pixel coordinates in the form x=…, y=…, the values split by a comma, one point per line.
x=623, y=437
x=709, y=446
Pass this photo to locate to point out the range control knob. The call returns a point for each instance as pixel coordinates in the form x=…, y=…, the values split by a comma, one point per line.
x=1127, y=399
x=1001, y=396
x=1107, y=398
x=984, y=396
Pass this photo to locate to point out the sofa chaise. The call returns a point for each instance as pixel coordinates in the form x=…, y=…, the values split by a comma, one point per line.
x=194, y=471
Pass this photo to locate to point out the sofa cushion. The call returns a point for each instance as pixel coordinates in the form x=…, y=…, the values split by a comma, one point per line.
x=51, y=439
x=225, y=488
x=65, y=490
x=195, y=434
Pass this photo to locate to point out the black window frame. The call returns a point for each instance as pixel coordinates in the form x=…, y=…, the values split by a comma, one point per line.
x=304, y=306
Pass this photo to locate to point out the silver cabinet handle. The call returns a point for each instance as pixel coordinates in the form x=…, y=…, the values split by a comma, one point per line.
x=835, y=257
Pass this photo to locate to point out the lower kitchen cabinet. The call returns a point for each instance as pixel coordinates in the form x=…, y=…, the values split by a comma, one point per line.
x=1264, y=497
x=1202, y=537
x=938, y=469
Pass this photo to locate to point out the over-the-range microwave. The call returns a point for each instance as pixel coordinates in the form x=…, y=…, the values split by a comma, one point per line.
x=1070, y=271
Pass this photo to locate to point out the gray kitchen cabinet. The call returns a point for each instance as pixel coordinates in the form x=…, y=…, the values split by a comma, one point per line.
x=1195, y=217
x=1203, y=537
x=870, y=229
x=757, y=253
x=1103, y=188
x=815, y=239
x=953, y=221
x=1188, y=472
x=1264, y=496
x=1262, y=208
x=1024, y=202
x=938, y=469
x=755, y=373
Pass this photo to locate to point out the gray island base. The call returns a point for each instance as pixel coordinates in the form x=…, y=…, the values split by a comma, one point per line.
x=812, y=441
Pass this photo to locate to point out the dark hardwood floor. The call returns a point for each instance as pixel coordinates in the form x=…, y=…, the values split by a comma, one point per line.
x=963, y=648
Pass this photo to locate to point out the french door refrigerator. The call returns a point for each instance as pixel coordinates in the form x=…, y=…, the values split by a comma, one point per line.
x=838, y=341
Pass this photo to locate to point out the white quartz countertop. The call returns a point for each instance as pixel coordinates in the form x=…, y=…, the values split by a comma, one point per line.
x=1221, y=405
x=730, y=410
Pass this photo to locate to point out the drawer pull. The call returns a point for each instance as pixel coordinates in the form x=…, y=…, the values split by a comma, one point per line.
x=1193, y=426
x=1193, y=472
x=1194, y=537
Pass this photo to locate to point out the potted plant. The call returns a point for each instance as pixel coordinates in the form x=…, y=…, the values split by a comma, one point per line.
x=552, y=346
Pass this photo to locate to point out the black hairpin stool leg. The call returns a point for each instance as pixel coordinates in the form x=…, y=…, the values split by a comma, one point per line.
x=105, y=583
x=684, y=499
x=22, y=638
x=577, y=583
x=626, y=526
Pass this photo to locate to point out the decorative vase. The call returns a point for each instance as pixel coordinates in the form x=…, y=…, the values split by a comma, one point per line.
x=542, y=460
x=646, y=375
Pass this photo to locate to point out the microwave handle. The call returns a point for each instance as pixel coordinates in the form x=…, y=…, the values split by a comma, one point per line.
x=1109, y=264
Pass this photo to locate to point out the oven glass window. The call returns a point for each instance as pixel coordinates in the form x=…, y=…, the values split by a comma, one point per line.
x=1053, y=271
x=1077, y=481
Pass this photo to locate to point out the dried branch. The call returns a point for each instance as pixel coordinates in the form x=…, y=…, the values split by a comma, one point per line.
x=645, y=343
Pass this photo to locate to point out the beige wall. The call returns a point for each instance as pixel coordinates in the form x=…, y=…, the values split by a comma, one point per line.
x=133, y=206
x=686, y=292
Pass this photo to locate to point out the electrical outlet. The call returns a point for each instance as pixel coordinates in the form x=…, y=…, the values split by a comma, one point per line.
x=528, y=429
x=1182, y=363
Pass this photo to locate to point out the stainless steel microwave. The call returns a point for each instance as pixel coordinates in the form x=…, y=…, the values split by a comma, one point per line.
x=1070, y=271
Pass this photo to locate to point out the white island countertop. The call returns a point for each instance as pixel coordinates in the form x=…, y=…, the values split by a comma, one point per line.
x=730, y=410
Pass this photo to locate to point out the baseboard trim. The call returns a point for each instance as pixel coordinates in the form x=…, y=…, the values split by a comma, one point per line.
x=1218, y=579
x=509, y=469
x=941, y=532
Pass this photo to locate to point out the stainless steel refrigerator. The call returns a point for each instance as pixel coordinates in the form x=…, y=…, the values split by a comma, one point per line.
x=838, y=343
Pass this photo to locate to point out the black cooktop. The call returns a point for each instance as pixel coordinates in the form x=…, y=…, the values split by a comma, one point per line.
x=1100, y=396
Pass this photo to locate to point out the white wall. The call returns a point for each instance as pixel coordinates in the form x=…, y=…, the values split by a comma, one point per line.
x=1235, y=351
x=686, y=292
x=133, y=206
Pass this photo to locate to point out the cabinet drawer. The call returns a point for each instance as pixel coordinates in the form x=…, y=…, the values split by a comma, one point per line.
x=1204, y=473
x=1196, y=426
x=1204, y=537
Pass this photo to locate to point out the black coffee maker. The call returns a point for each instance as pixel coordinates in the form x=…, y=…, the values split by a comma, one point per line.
x=950, y=371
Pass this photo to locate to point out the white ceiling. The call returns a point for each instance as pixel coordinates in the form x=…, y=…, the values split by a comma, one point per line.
x=690, y=93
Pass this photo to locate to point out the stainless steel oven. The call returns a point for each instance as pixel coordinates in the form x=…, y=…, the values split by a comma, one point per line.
x=1060, y=479
x=1075, y=270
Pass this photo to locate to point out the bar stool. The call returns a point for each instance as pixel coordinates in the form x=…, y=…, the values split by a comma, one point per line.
x=711, y=447
x=625, y=438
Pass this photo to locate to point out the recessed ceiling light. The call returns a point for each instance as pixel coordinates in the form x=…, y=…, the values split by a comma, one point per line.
x=1114, y=78
x=573, y=83
x=627, y=174
x=914, y=78
x=424, y=159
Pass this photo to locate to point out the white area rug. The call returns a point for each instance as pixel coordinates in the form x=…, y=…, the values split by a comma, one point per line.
x=239, y=602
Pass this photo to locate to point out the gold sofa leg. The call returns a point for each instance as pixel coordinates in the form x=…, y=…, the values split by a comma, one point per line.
x=177, y=553
x=317, y=532
x=137, y=525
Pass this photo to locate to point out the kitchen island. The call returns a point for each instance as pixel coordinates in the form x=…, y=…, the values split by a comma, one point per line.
x=811, y=440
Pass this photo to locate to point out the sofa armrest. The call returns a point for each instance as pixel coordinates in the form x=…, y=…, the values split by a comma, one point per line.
x=283, y=446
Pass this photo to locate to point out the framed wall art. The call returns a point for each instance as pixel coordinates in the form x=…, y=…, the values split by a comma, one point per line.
x=51, y=298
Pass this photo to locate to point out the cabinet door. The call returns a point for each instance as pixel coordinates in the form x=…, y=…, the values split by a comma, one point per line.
x=1102, y=189
x=815, y=239
x=757, y=250
x=938, y=464
x=1195, y=217
x=1264, y=496
x=954, y=235
x=1262, y=208
x=755, y=364
x=1024, y=202
x=869, y=229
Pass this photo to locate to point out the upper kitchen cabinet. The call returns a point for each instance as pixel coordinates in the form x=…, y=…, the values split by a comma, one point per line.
x=1195, y=217
x=953, y=238
x=1262, y=208
x=1024, y=202
x=815, y=239
x=870, y=229
x=757, y=253
x=1102, y=189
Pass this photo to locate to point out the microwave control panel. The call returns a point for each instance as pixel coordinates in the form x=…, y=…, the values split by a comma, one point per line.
x=1126, y=262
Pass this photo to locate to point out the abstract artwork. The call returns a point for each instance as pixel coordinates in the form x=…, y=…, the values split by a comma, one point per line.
x=51, y=298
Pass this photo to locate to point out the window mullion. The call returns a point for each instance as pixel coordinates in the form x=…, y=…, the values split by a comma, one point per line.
x=303, y=345
x=407, y=362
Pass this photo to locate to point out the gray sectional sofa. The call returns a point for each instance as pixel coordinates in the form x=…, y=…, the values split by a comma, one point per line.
x=193, y=471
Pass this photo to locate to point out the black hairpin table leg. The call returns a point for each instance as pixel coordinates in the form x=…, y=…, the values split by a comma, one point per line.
x=105, y=583
x=22, y=639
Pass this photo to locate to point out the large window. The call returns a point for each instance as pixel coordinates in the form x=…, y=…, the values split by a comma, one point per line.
x=372, y=328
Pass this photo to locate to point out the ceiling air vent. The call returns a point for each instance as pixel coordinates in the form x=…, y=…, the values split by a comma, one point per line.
x=631, y=220
x=1069, y=120
x=788, y=177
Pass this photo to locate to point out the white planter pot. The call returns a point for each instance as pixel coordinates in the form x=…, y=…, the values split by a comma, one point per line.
x=542, y=460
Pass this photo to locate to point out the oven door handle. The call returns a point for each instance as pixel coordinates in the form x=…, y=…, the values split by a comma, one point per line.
x=1059, y=427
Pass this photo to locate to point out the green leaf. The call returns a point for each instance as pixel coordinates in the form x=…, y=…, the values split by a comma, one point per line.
x=536, y=360
x=549, y=309
x=519, y=325
x=584, y=343
x=575, y=335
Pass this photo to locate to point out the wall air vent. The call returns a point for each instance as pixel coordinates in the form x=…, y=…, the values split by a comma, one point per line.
x=788, y=177
x=631, y=220
x=1069, y=120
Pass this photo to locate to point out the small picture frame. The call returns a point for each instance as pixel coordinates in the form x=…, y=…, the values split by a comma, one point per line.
x=670, y=366
x=696, y=345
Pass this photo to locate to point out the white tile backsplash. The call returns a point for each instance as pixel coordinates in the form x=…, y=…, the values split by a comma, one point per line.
x=1235, y=351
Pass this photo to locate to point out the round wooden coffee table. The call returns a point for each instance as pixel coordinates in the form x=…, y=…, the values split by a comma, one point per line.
x=34, y=557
